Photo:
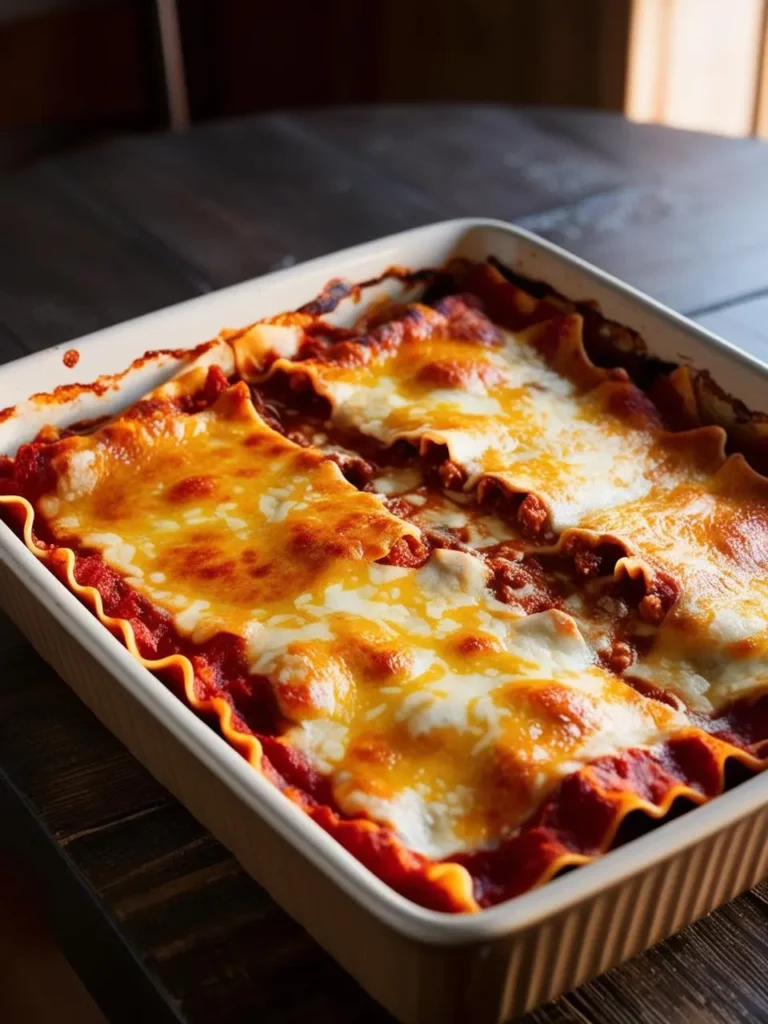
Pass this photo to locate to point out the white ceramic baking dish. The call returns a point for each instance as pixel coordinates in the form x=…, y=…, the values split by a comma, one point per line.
x=423, y=965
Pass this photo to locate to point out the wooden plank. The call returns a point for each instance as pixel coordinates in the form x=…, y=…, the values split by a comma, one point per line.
x=684, y=253
x=612, y=50
x=10, y=346
x=745, y=324
x=74, y=267
x=691, y=225
x=237, y=199
x=137, y=224
x=472, y=161
x=651, y=153
x=96, y=950
x=589, y=182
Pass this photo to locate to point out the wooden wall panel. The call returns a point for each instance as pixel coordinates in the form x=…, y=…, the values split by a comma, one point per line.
x=692, y=63
x=72, y=65
x=570, y=52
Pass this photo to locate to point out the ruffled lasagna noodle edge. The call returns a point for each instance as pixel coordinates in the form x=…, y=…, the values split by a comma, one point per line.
x=577, y=822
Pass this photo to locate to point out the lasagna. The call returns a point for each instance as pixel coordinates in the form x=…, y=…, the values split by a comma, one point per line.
x=470, y=582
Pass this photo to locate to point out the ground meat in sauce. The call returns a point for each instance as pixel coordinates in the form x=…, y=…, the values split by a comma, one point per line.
x=618, y=657
x=592, y=560
x=515, y=580
x=663, y=592
x=452, y=476
x=587, y=564
x=532, y=516
x=408, y=553
x=401, y=507
x=290, y=406
x=524, y=582
x=632, y=608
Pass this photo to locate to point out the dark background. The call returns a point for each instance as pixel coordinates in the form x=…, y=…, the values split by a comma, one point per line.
x=72, y=69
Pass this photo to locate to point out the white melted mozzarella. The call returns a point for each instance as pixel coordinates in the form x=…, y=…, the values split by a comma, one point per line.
x=706, y=676
x=520, y=422
x=397, y=481
x=708, y=534
x=81, y=476
x=472, y=702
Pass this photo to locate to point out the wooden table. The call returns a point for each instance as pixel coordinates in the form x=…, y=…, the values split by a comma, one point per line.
x=157, y=918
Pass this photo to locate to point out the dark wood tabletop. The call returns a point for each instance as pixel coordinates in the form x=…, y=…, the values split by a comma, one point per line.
x=156, y=917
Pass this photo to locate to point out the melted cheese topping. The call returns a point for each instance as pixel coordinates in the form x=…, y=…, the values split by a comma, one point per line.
x=434, y=707
x=444, y=713
x=215, y=514
x=504, y=412
x=711, y=535
x=592, y=449
x=454, y=514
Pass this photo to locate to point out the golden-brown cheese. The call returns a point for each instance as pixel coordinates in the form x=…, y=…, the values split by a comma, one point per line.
x=710, y=534
x=434, y=707
x=463, y=716
x=213, y=514
x=508, y=413
x=535, y=416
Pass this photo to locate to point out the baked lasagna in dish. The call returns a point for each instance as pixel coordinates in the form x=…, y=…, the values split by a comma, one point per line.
x=470, y=581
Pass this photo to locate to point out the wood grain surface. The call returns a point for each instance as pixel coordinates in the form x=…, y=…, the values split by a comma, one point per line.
x=157, y=918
